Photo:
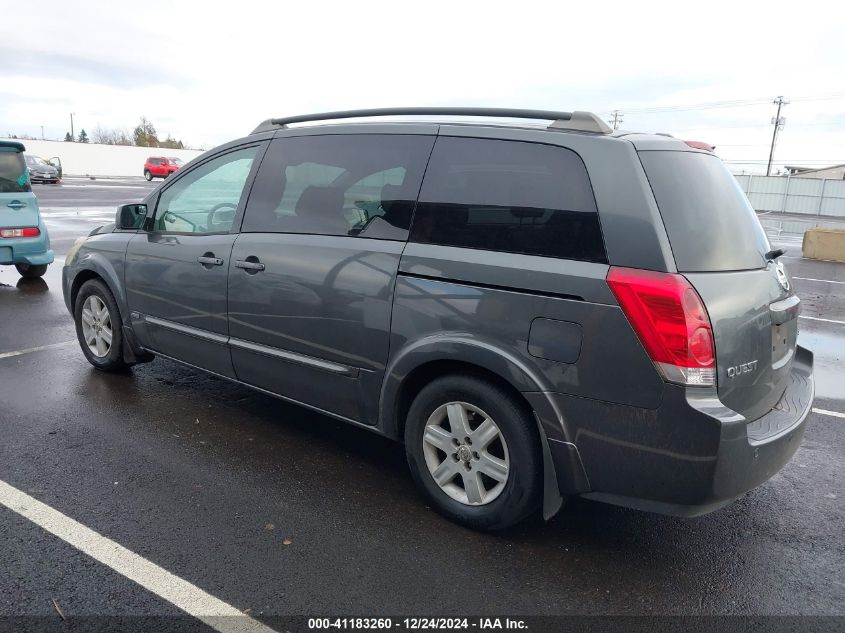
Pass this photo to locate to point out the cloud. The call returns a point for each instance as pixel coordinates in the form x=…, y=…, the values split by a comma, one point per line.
x=210, y=72
x=56, y=65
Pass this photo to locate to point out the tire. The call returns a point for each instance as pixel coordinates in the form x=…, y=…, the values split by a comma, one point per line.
x=106, y=356
x=28, y=271
x=148, y=175
x=467, y=493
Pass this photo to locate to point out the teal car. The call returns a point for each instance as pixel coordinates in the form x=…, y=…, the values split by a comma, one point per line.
x=24, y=241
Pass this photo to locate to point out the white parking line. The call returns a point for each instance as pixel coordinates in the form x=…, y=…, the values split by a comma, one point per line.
x=29, y=350
x=827, y=281
x=820, y=319
x=217, y=614
x=810, y=259
x=835, y=414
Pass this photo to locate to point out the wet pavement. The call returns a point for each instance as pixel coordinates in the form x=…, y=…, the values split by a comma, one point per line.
x=209, y=480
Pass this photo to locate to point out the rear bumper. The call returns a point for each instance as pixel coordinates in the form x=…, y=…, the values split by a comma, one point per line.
x=690, y=456
x=26, y=250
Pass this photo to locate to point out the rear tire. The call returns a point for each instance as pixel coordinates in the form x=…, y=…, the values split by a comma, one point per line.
x=28, y=271
x=488, y=462
x=99, y=327
x=148, y=175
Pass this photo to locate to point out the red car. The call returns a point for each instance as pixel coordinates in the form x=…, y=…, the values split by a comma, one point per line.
x=161, y=166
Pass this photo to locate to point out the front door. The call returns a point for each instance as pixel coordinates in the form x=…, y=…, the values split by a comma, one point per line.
x=57, y=163
x=312, y=273
x=176, y=272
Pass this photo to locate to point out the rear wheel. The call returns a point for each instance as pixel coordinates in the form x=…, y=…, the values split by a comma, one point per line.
x=148, y=175
x=98, y=326
x=28, y=271
x=473, y=450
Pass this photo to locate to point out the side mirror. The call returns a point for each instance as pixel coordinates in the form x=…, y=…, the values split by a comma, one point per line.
x=130, y=217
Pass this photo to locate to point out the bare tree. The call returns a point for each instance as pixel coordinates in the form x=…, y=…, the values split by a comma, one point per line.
x=111, y=137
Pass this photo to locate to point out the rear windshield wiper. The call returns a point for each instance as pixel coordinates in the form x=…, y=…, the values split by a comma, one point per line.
x=773, y=254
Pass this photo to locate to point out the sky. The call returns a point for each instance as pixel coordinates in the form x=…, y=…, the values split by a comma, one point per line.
x=208, y=72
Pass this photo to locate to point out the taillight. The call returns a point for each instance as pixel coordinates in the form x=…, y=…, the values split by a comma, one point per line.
x=671, y=322
x=26, y=232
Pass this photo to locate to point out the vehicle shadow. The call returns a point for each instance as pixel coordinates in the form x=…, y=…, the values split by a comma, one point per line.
x=32, y=286
x=324, y=448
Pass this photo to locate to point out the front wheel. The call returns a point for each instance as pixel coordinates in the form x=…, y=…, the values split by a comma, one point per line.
x=474, y=450
x=148, y=175
x=98, y=326
x=28, y=271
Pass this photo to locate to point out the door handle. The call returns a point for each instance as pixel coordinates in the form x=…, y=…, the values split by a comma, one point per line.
x=209, y=261
x=250, y=265
x=16, y=204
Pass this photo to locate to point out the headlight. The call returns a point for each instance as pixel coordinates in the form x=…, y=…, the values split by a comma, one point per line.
x=71, y=254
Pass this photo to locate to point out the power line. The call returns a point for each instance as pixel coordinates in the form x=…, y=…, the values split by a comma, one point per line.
x=732, y=103
x=786, y=162
x=617, y=119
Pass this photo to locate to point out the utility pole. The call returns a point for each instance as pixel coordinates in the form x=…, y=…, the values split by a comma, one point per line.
x=72, y=137
x=42, y=132
x=617, y=119
x=778, y=121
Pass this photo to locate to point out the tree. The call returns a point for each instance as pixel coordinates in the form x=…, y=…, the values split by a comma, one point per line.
x=104, y=136
x=145, y=134
x=68, y=138
x=172, y=143
x=83, y=137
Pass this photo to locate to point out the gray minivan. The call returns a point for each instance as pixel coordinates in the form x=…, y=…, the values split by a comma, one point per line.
x=536, y=310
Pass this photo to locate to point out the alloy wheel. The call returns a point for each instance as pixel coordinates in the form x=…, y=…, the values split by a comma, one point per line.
x=466, y=453
x=96, y=326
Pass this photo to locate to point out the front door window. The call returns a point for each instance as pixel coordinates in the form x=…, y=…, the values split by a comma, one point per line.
x=206, y=199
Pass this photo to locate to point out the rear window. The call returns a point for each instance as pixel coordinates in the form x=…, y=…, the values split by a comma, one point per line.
x=13, y=173
x=508, y=196
x=711, y=225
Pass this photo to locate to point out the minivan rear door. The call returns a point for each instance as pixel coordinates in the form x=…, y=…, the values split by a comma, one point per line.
x=720, y=247
x=18, y=205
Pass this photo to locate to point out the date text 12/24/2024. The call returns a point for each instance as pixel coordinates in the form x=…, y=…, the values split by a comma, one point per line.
x=416, y=624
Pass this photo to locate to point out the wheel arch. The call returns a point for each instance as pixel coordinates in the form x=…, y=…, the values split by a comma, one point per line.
x=420, y=363
x=97, y=267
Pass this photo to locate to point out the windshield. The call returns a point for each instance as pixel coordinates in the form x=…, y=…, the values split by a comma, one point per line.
x=176, y=161
x=711, y=225
x=32, y=161
x=14, y=176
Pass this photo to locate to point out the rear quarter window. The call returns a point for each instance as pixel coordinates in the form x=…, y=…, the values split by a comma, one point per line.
x=508, y=196
x=709, y=221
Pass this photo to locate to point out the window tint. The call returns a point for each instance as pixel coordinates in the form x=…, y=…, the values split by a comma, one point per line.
x=508, y=196
x=13, y=172
x=205, y=199
x=357, y=184
x=711, y=225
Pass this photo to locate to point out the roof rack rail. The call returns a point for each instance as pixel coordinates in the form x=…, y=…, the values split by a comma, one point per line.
x=583, y=121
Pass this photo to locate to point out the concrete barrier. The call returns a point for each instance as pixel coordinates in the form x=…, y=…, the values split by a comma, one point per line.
x=91, y=159
x=826, y=244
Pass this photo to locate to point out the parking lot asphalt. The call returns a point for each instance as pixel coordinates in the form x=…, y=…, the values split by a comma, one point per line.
x=276, y=510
